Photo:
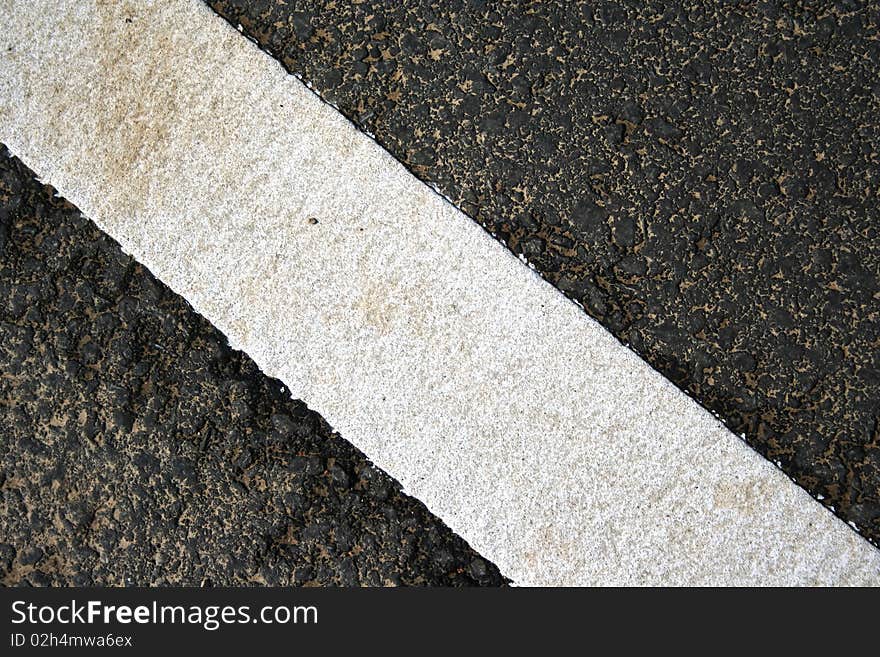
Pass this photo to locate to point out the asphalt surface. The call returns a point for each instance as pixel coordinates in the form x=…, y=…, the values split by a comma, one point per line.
x=137, y=447
x=702, y=177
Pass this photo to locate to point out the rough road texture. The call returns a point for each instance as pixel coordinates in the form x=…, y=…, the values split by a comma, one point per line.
x=136, y=447
x=704, y=179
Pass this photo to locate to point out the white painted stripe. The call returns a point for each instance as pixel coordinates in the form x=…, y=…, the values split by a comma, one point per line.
x=552, y=449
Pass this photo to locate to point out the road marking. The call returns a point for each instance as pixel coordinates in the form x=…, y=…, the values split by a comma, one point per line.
x=556, y=452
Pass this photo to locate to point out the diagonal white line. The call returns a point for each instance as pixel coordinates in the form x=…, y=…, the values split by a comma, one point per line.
x=552, y=449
